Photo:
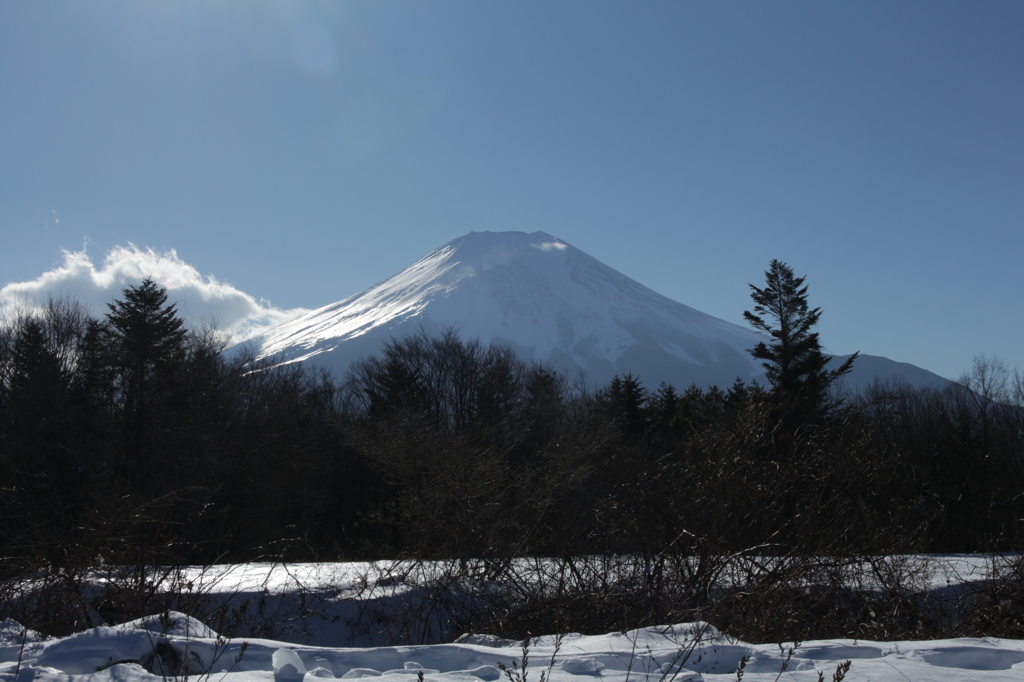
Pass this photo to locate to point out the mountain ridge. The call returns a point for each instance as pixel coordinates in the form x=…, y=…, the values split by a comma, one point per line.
x=548, y=300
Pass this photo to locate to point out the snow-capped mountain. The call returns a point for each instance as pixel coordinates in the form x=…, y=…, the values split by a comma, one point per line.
x=547, y=299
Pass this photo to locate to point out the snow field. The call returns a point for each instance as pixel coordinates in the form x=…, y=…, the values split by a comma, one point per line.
x=339, y=599
x=305, y=642
x=696, y=651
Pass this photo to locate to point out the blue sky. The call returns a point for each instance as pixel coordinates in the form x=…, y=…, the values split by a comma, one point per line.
x=302, y=151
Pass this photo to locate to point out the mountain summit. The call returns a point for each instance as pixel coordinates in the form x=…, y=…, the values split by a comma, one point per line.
x=550, y=302
x=547, y=299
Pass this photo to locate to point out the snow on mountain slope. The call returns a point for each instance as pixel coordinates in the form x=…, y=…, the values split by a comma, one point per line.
x=547, y=299
x=550, y=302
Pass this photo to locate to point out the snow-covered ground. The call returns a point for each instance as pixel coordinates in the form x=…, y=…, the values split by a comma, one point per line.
x=143, y=649
x=937, y=571
x=309, y=642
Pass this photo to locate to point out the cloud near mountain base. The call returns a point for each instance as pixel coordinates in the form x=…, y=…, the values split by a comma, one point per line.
x=201, y=300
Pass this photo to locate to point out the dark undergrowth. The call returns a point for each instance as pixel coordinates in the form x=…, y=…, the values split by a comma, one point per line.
x=753, y=598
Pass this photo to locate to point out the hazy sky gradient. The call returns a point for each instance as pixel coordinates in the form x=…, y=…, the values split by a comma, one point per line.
x=302, y=151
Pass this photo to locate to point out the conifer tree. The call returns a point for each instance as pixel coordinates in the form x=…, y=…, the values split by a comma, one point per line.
x=36, y=374
x=94, y=381
x=794, y=363
x=149, y=337
x=36, y=405
x=148, y=343
x=625, y=399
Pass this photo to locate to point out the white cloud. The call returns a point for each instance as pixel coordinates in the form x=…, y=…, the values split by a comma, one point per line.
x=551, y=246
x=200, y=300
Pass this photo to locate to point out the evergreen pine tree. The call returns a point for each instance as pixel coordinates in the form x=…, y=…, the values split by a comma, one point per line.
x=625, y=399
x=38, y=446
x=148, y=341
x=794, y=363
x=149, y=338
x=662, y=405
x=94, y=380
x=37, y=378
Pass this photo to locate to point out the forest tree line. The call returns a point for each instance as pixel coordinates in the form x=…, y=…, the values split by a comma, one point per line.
x=131, y=438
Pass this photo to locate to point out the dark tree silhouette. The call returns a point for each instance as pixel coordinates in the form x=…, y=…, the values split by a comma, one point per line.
x=625, y=401
x=149, y=338
x=794, y=363
x=148, y=346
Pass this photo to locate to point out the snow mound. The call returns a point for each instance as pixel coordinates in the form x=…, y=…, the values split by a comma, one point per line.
x=288, y=667
x=679, y=653
x=171, y=623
